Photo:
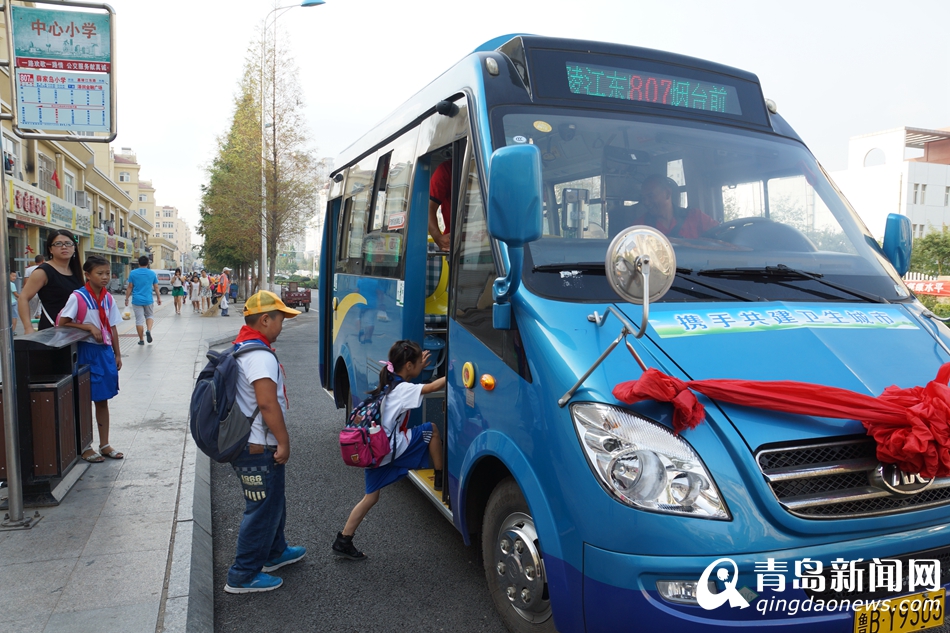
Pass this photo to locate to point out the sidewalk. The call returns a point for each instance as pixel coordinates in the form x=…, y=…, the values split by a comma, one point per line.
x=116, y=554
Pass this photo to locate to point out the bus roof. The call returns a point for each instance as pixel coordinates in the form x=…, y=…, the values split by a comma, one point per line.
x=467, y=76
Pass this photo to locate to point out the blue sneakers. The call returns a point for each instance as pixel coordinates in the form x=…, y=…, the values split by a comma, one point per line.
x=260, y=582
x=291, y=555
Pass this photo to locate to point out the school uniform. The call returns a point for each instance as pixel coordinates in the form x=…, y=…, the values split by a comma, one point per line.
x=100, y=357
x=411, y=450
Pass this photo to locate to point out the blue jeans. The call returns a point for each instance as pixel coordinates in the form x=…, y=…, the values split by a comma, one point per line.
x=261, y=537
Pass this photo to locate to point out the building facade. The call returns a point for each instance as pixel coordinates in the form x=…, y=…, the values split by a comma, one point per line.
x=173, y=233
x=905, y=171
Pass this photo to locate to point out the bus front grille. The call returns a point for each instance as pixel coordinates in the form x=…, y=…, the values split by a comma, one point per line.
x=834, y=480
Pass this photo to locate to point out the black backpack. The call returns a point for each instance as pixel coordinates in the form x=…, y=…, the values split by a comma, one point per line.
x=218, y=426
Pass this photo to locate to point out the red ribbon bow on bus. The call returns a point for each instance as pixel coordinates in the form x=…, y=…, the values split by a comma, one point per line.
x=910, y=426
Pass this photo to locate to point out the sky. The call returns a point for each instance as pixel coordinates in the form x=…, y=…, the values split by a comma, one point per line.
x=835, y=68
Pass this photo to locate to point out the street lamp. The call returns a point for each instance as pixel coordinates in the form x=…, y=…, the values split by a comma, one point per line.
x=262, y=269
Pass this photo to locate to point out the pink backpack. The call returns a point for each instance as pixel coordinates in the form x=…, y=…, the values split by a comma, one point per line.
x=363, y=447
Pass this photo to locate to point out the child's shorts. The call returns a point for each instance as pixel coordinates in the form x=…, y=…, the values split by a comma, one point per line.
x=103, y=372
x=415, y=456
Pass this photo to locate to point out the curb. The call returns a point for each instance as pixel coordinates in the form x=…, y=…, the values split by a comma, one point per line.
x=189, y=602
x=214, y=342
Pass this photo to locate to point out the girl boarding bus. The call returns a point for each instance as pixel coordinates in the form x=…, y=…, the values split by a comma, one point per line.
x=625, y=229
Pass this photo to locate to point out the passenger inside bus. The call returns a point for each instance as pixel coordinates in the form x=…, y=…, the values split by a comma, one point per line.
x=440, y=198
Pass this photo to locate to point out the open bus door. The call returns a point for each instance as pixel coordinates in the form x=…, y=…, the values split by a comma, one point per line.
x=325, y=301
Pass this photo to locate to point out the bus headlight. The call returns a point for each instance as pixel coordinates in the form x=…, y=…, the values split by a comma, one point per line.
x=644, y=465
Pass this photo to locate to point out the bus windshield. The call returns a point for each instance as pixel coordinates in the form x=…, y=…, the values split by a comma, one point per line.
x=751, y=216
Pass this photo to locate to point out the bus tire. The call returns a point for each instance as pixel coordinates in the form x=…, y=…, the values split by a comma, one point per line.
x=514, y=567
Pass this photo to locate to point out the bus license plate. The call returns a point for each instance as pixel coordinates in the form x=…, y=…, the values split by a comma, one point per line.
x=917, y=612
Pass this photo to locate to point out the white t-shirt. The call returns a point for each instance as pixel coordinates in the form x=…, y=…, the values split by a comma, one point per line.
x=254, y=366
x=92, y=312
x=396, y=406
x=29, y=271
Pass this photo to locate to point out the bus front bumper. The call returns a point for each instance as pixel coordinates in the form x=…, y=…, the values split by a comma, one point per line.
x=621, y=591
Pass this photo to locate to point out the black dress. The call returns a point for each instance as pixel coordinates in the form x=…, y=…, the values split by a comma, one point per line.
x=55, y=293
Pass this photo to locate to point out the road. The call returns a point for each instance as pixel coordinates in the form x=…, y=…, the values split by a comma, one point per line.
x=420, y=576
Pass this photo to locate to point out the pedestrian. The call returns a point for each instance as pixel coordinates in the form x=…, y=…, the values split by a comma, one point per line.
x=178, y=290
x=194, y=293
x=406, y=362
x=205, y=291
x=261, y=546
x=53, y=280
x=13, y=301
x=142, y=282
x=103, y=356
x=224, y=285
x=35, y=301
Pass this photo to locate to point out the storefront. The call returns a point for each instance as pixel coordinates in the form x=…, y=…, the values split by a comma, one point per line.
x=116, y=250
x=28, y=212
x=32, y=215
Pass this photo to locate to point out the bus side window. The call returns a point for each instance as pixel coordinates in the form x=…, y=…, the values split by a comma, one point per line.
x=743, y=200
x=359, y=185
x=384, y=246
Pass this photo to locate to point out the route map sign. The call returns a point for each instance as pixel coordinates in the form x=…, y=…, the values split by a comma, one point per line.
x=63, y=65
x=49, y=100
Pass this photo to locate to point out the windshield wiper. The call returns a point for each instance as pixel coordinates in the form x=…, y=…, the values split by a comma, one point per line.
x=688, y=273
x=581, y=267
x=785, y=273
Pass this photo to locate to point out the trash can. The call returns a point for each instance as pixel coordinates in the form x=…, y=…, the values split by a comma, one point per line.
x=82, y=395
x=54, y=411
x=53, y=422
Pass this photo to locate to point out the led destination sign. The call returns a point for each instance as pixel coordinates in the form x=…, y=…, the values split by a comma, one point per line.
x=631, y=85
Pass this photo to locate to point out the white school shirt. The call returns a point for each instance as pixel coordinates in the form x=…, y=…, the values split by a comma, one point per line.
x=92, y=312
x=254, y=366
x=404, y=397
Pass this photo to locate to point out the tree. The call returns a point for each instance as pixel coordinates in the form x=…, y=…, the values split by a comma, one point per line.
x=254, y=171
x=290, y=163
x=931, y=253
x=231, y=200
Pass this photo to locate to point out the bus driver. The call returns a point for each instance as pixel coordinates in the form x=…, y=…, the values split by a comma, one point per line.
x=656, y=197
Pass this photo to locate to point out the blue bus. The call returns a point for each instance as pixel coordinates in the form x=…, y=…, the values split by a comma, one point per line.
x=614, y=210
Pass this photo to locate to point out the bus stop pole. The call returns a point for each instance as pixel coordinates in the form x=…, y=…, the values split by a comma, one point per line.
x=10, y=430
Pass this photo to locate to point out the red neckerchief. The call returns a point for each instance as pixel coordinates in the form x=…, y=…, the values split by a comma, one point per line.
x=250, y=334
x=103, y=317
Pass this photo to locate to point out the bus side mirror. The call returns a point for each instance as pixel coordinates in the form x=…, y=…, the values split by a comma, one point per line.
x=514, y=217
x=898, y=242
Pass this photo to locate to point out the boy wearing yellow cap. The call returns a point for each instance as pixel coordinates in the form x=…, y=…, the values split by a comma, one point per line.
x=261, y=545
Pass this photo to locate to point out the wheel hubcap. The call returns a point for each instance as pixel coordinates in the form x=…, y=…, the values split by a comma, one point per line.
x=520, y=568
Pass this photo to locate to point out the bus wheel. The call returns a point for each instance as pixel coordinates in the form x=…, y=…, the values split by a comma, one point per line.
x=513, y=565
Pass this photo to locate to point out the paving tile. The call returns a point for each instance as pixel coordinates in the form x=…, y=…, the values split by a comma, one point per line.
x=29, y=590
x=113, y=580
x=130, y=533
x=79, y=503
x=132, y=618
x=49, y=540
x=33, y=624
x=98, y=476
x=167, y=468
x=136, y=497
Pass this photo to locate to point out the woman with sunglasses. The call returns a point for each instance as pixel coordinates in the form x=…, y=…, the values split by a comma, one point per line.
x=54, y=280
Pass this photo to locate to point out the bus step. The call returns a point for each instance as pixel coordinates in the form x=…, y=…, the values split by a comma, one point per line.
x=424, y=481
